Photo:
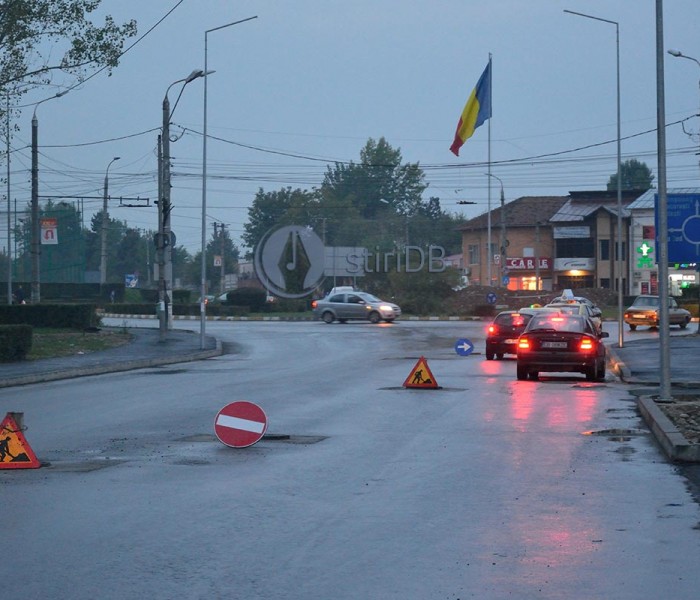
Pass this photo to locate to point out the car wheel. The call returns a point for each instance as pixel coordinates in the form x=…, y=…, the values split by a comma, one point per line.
x=374, y=317
x=600, y=375
x=343, y=320
x=328, y=317
x=521, y=373
x=684, y=324
x=591, y=372
x=534, y=375
x=499, y=356
x=489, y=356
x=633, y=327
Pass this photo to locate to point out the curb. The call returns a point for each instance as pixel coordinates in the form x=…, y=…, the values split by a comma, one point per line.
x=116, y=367
x=671, y=440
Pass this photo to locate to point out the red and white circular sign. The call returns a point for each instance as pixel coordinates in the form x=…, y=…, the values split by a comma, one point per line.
x=240, y=424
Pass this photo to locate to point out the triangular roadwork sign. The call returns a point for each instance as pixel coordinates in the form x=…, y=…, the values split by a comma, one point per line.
x=421, y=376
x=15, y=452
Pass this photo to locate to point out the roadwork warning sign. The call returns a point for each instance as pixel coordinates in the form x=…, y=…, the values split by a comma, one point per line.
x=421, y=376
x=15, y=452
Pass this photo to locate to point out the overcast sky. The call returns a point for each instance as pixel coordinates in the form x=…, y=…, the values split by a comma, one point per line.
x=308, y=82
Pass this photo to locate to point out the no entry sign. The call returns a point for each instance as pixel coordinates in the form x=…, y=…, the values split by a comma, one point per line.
x=240, y=424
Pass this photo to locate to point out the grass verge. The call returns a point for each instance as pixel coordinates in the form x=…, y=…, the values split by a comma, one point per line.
x=52, y=343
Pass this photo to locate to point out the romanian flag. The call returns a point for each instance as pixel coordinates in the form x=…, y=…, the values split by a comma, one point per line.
x=476, y=110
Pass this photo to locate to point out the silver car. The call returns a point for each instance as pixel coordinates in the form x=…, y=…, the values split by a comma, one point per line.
x=354, y=305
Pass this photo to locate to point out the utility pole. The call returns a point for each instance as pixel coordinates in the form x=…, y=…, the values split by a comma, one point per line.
x=222, y=242
x=537, y=256
x=105, y=223
x=36, y=226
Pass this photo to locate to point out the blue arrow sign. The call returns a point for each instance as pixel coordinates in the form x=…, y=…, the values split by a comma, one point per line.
x=464, y=347
x=491, y=298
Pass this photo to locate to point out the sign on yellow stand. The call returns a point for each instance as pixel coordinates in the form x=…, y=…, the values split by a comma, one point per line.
x=421, y=376
x=15, y=452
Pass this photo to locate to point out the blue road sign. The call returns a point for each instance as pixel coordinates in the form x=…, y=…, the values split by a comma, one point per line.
x=491, y=298
x=506, y=280
x=683, y=227
x=464, y=347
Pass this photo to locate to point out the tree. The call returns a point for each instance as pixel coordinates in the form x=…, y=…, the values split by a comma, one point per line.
x=635, y=176
x=273, y=209
x=377, y=181
x=39, y=38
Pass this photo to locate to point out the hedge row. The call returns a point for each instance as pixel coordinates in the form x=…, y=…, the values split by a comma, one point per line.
x=60, y=316
x=15, y=342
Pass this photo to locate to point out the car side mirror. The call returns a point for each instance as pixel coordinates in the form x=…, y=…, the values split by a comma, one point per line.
x=596, y=312
x=604, y=334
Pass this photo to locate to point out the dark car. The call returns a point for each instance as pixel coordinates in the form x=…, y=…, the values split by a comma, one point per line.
x=503, y=332
x=645, y=311
x=561, y=343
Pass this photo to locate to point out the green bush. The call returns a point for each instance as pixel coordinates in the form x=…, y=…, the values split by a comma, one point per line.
x=253, y=298
x=15, y=342
x=68, y=316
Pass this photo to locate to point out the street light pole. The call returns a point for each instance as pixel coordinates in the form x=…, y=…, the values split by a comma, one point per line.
x=679, y=54
x=105, y=220
x=36, y=226
x=9, y=205
x=203, y=263
x=618, y=262
x=164, y=208
x=504, y=242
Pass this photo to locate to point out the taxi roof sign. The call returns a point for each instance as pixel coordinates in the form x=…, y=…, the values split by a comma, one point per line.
x=421, y=376
x=15, y=452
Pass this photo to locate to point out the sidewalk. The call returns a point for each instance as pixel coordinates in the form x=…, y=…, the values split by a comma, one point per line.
x=145, y=350
x=638, y=361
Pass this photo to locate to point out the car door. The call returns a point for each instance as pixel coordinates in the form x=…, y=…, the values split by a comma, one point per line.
x=355, y=307
x=674, y=314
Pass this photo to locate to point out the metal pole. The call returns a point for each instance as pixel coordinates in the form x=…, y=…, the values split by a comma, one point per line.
x=165, y=200
x=618, y=262
x=502, y=245
x=160, y=252
x=36, y=228
x=203, y=283
x=664, y=339
x=489, y=257
x=9, y=207
x=203, y=258
x=105, y=222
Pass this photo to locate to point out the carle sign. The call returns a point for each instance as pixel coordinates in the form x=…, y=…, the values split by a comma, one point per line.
x=240, y=424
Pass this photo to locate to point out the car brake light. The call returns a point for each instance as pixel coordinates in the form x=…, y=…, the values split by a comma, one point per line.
x=523, y=343
x=586, y=345
x=492, y=330
x=314, y=304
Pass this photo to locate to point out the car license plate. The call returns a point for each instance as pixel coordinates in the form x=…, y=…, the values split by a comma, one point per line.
x=554, y=344
x=514, y=341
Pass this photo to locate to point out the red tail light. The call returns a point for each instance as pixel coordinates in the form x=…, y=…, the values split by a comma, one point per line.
x=314, y=304
x=492, y=330
x=523, y=343
x=586, y=345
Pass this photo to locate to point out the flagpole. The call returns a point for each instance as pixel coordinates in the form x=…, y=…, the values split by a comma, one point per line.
x=489, y=258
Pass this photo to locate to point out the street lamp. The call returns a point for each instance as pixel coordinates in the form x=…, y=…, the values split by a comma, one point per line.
x=618, y=262
x=679, y=54
x=164, y=237
x=203, y=282
x=504, y=241
x=36, y=226
x=105, y=219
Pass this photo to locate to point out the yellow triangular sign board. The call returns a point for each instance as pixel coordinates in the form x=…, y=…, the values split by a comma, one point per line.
x=421, y=376
x=15, y=452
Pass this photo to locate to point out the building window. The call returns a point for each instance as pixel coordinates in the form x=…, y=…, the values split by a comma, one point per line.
x=575, y=248
x=605, y=283
x=473, y=254
x=624, y=251
x=604, y=250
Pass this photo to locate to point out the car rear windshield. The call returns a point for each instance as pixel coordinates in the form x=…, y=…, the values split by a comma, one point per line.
x=646, y=301
x=557, y=323
x=513, y=319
